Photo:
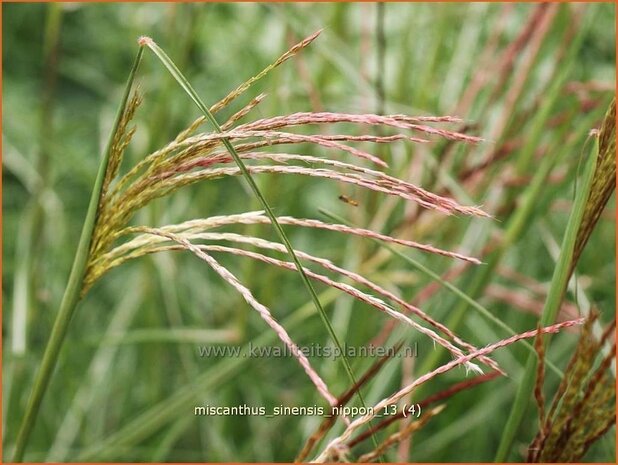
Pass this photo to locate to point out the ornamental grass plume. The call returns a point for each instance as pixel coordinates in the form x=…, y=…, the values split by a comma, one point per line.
x=584, y=406
x=338, y=447
x=192, y=158
x=110, y=237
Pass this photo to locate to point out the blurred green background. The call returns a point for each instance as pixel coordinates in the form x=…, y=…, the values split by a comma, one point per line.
x=130, y=372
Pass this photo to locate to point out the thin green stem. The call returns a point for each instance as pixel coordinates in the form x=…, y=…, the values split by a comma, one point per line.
x=557, y=289
x=184, y=83
x=72, y=292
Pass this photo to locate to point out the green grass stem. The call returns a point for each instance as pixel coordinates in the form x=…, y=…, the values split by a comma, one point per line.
x=557, y=290
x=72, y=291
x=186, y=86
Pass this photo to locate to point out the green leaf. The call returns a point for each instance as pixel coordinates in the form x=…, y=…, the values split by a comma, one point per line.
x=603, y=183
x=74, y=287
x=559, y=283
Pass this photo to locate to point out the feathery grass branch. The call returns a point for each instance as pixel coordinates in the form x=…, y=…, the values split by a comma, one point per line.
x=455, y=290
x=261, y=309
x=188, y=159
x=437, y=397
x=145, y=244
x=184, y=83
x=399, y=436
x=329, y=421
x=339, y=443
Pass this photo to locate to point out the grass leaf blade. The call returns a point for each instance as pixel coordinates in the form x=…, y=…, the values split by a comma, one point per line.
x=557, y=289
x=73, y=290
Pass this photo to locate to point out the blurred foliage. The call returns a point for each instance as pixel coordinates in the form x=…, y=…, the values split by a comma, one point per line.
x=53, y=134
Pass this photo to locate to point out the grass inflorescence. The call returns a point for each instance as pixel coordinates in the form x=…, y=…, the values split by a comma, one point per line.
x=446, y=239
x=189, y=159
